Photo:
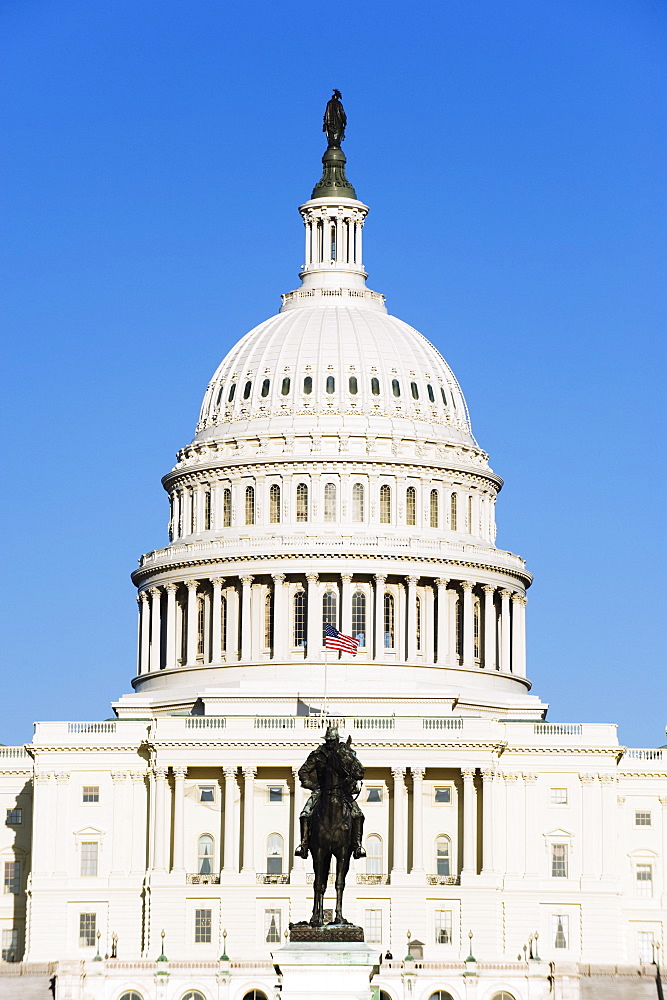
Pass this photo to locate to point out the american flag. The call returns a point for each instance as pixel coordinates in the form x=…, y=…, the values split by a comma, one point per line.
x=333, y=639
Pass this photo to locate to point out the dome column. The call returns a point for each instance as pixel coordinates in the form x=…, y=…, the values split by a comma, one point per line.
x=505, y=634
x=280, y=617
x=313, y=641
x=468, y=625
x=412, y=618
x=170, y=661
x=379, y=615
x=191, y=623
x=156, y=627
x=519, y=635
x=443, y=621
x=346, y=604
x=489, y=628
x=246, y=619
x=216, y=619
x=232, y=650
x=144, y=617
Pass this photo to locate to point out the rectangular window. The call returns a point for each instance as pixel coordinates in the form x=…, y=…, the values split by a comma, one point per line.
x=14, y=817
x=207, y=793
x=442, y=794
x=645, y=947
x=644, y=875
x=272, y=926
x=642, y=818
x=374, y=793
x=87, y=929
x=91, y=793
x=443, y=926
x=203, y=926
x=275, y=793
x=12, y=876
x=559, y=860
x=10, y=945
x=560, y=930
x=207, y=511
x=373, y=926
x=558, y=796
x=89, y=850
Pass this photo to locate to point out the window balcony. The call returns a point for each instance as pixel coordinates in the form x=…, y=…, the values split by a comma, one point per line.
x=443, y=879
x=193, y=878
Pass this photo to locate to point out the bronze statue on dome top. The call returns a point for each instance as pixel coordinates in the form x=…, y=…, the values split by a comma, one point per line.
x=335, y=120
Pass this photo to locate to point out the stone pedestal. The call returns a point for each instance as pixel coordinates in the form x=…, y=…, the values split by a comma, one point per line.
x=335, y=970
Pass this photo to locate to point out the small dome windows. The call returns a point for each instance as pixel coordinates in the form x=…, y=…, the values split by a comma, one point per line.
x=375, y=387
x=444, y=395
x=285, y=387
x=247, y=390
x=232, y=390
x=395, y=387
x=431, y=394
x=219, y=396
x=414, y=390
x=354, y=388
x=266, y=385
x=331, y=384
x=308, y=385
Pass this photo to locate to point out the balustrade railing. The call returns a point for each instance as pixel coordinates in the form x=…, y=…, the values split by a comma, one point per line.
x=443, y=879
x=196, y=879
x=274, y=722
x=91, y=727
x=266, y=879
x=557, y=729
x=442, y=723
x=648, y=754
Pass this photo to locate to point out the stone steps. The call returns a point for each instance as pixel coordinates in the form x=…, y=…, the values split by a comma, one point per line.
x=25, y=988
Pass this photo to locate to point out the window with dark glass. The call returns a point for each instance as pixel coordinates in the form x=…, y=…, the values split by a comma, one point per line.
x=232, y=390
x=431, y=394
x=300, y=618
x=411, y=505
x=444, y=394
x=247, y=390
x=302, y=502
x=331, y=384
x=274, y=504
x=414, y=390
x=266, y=385
x=308, y=385
x=375, y=387
x=395, y=387
x=285, y=387
x=354, y=388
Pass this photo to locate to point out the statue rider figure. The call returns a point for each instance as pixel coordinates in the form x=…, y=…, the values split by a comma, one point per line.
x=335, y=120
x=311, y=776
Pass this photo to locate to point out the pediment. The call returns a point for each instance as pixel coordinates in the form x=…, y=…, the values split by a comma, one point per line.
x=89, y=831
x=554, y=834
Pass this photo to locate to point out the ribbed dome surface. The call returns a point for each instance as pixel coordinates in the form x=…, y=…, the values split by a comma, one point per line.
x=332, y=358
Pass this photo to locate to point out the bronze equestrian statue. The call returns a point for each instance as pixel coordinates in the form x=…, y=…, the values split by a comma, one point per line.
x=331, y=822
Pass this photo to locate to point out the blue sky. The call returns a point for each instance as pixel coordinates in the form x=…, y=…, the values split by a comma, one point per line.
x=513, y=155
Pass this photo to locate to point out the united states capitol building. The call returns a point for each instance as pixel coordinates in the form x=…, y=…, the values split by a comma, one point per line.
x=333, y=477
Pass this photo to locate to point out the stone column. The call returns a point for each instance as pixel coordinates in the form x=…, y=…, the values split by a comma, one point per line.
x=443, y=621
x=515, y=831
x=469, y=822
x=159, y=824
x=314, y=612
x=232, y=651
x=120, y=822
x=380, y=581
x=530, y=787
x=412, y=619
x=663, y=819
x=144, y=657
x=468, y=625
x=249, y=818
x=170, y=653
x=191, y=622
x=399, y=862
x=346, y=604
x=216, y=619
x=488, y=820
x=280, y=617
x=60, y=822
x=590, y=825
x=138, y=862
x=489, y=628
x=505, y=651
x=156, y=627
x=519, y=635
x=608, y=825
x=418, y=818
x=230, y=859
x=246, y=619
x=179, y=802
x=298, y=864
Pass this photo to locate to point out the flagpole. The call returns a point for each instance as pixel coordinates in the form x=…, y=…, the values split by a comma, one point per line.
x=326, y=664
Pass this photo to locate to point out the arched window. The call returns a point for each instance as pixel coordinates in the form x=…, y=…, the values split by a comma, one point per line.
x=418, y=622
x=226, y=508
x=444, y=394
x=470, y=525
x=300, y=618
x=354, y=388
x=453, y=514
x=274, y=504
x=193, y=512
x=274, y=854
x=268, y=621
x=232, y=390
x=503, y=995
x=433, y=507
x=302, y=502
x=414, y=390
x=385, y=504
x=443, y=853
x=179, y=501
x=219, y=396
x=205, y=854
x=333, y=242
x=373, y=854
x=247, y=389
x=193, y=995
x=223, y=623
x=411, y=505
x=439, y=995
x=132, y=995
x=201, y=617
x=388, y=621
x=331, y=384
x=284, y=389
x=395, y=387
x=254, y=995
x=308, y=385
x=431, y=394
x=329, y=611
x=477, y=630
x=266, y=385
x=207, y=511
x=359, y=617
x=375, y=387
x=249, y=505
x=330, y=502
x=358, y=502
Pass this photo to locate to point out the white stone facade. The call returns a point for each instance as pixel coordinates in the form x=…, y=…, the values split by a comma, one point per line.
x=333, y=477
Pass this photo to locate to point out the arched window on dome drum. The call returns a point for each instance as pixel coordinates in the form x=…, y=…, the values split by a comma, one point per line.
x=414, y=390
x=434, y=508
x=266, y=385
x=444, y=394
x=232, y=390
x=418, y=623
x=329, y=611
x=330, y=502
x=218, y=398
x=179, y=517
x=300, y=618
x=205, y=854
x=132, y=995
x=385, y=504
x=388, y=621
x=226, y=508
x=274, y=504
x=193, y=995
x=333, y=241
x=254, y=995
x=373, y=854
x=453, y=512
x=354, y=386
x=477, y=628
x=411, y=505
x=302, y=502
x=331, y=384
x=193, y=511
x=358, y=513
x=375, y=387
x=249, y=505
x=319, y=242
x=201, y=619
x=431, y=394
x=443, y=854
x=439, y=995
x=285, y=387
x=223, y=624
x=503, y=995
x=207, y=510
x=274, y=854
x=470, y=524
x=359, y=618
x=268, y=621
x=395, y=387
x=308, y=385
x=247, y=390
